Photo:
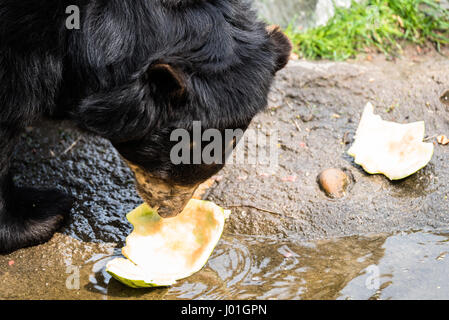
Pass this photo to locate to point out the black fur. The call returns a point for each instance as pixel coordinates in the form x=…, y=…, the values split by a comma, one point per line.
x=136, y=70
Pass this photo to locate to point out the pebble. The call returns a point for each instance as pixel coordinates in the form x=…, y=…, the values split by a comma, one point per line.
x=334, y=182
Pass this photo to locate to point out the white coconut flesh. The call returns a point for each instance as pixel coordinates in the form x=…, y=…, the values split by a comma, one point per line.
x=161, y=251
x=393, y=149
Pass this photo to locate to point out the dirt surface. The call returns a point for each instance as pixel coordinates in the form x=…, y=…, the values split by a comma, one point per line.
x=315, y=108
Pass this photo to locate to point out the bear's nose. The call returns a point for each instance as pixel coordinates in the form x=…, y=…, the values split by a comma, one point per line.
x=170, y=211
x=169, y=198
x=168, y=202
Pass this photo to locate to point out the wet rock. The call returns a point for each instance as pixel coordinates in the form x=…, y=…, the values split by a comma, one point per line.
x=334, y=182
x=56, y=155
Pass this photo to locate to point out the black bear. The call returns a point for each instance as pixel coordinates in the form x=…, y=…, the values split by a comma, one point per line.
x=134, y=71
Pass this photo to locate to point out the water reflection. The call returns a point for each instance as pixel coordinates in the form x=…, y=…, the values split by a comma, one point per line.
x=405, y=265
x=244, y=267
x=414, y=266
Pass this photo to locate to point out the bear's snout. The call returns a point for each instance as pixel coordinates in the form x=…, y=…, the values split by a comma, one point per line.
x=169, y=199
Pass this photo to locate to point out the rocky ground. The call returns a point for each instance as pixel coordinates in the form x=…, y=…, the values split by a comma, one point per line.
x=314, y=108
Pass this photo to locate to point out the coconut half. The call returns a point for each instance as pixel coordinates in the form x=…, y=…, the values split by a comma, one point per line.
x=393, y=149
x=162, y=251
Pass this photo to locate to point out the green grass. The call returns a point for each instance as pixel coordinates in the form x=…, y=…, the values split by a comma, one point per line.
x=375, y=23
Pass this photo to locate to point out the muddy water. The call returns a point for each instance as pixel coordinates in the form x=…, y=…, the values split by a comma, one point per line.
x=401, y=266
x=378, y=267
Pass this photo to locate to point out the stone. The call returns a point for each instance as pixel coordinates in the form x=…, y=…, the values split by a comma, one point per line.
x=334, y=182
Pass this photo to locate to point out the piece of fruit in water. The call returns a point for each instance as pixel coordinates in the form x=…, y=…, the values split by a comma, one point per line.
x=161, y=251
x=393, y=149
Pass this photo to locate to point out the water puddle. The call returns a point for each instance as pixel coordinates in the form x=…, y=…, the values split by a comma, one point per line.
x=402, y=266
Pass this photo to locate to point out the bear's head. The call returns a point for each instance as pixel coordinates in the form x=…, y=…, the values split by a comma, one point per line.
x=212, y=62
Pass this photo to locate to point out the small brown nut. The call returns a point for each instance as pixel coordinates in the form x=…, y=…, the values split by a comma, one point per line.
x=443, y=140
x=334, y=182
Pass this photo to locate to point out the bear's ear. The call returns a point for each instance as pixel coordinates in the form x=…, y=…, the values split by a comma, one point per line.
x=165, y=80
x=282, y=46
x=118, y=114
